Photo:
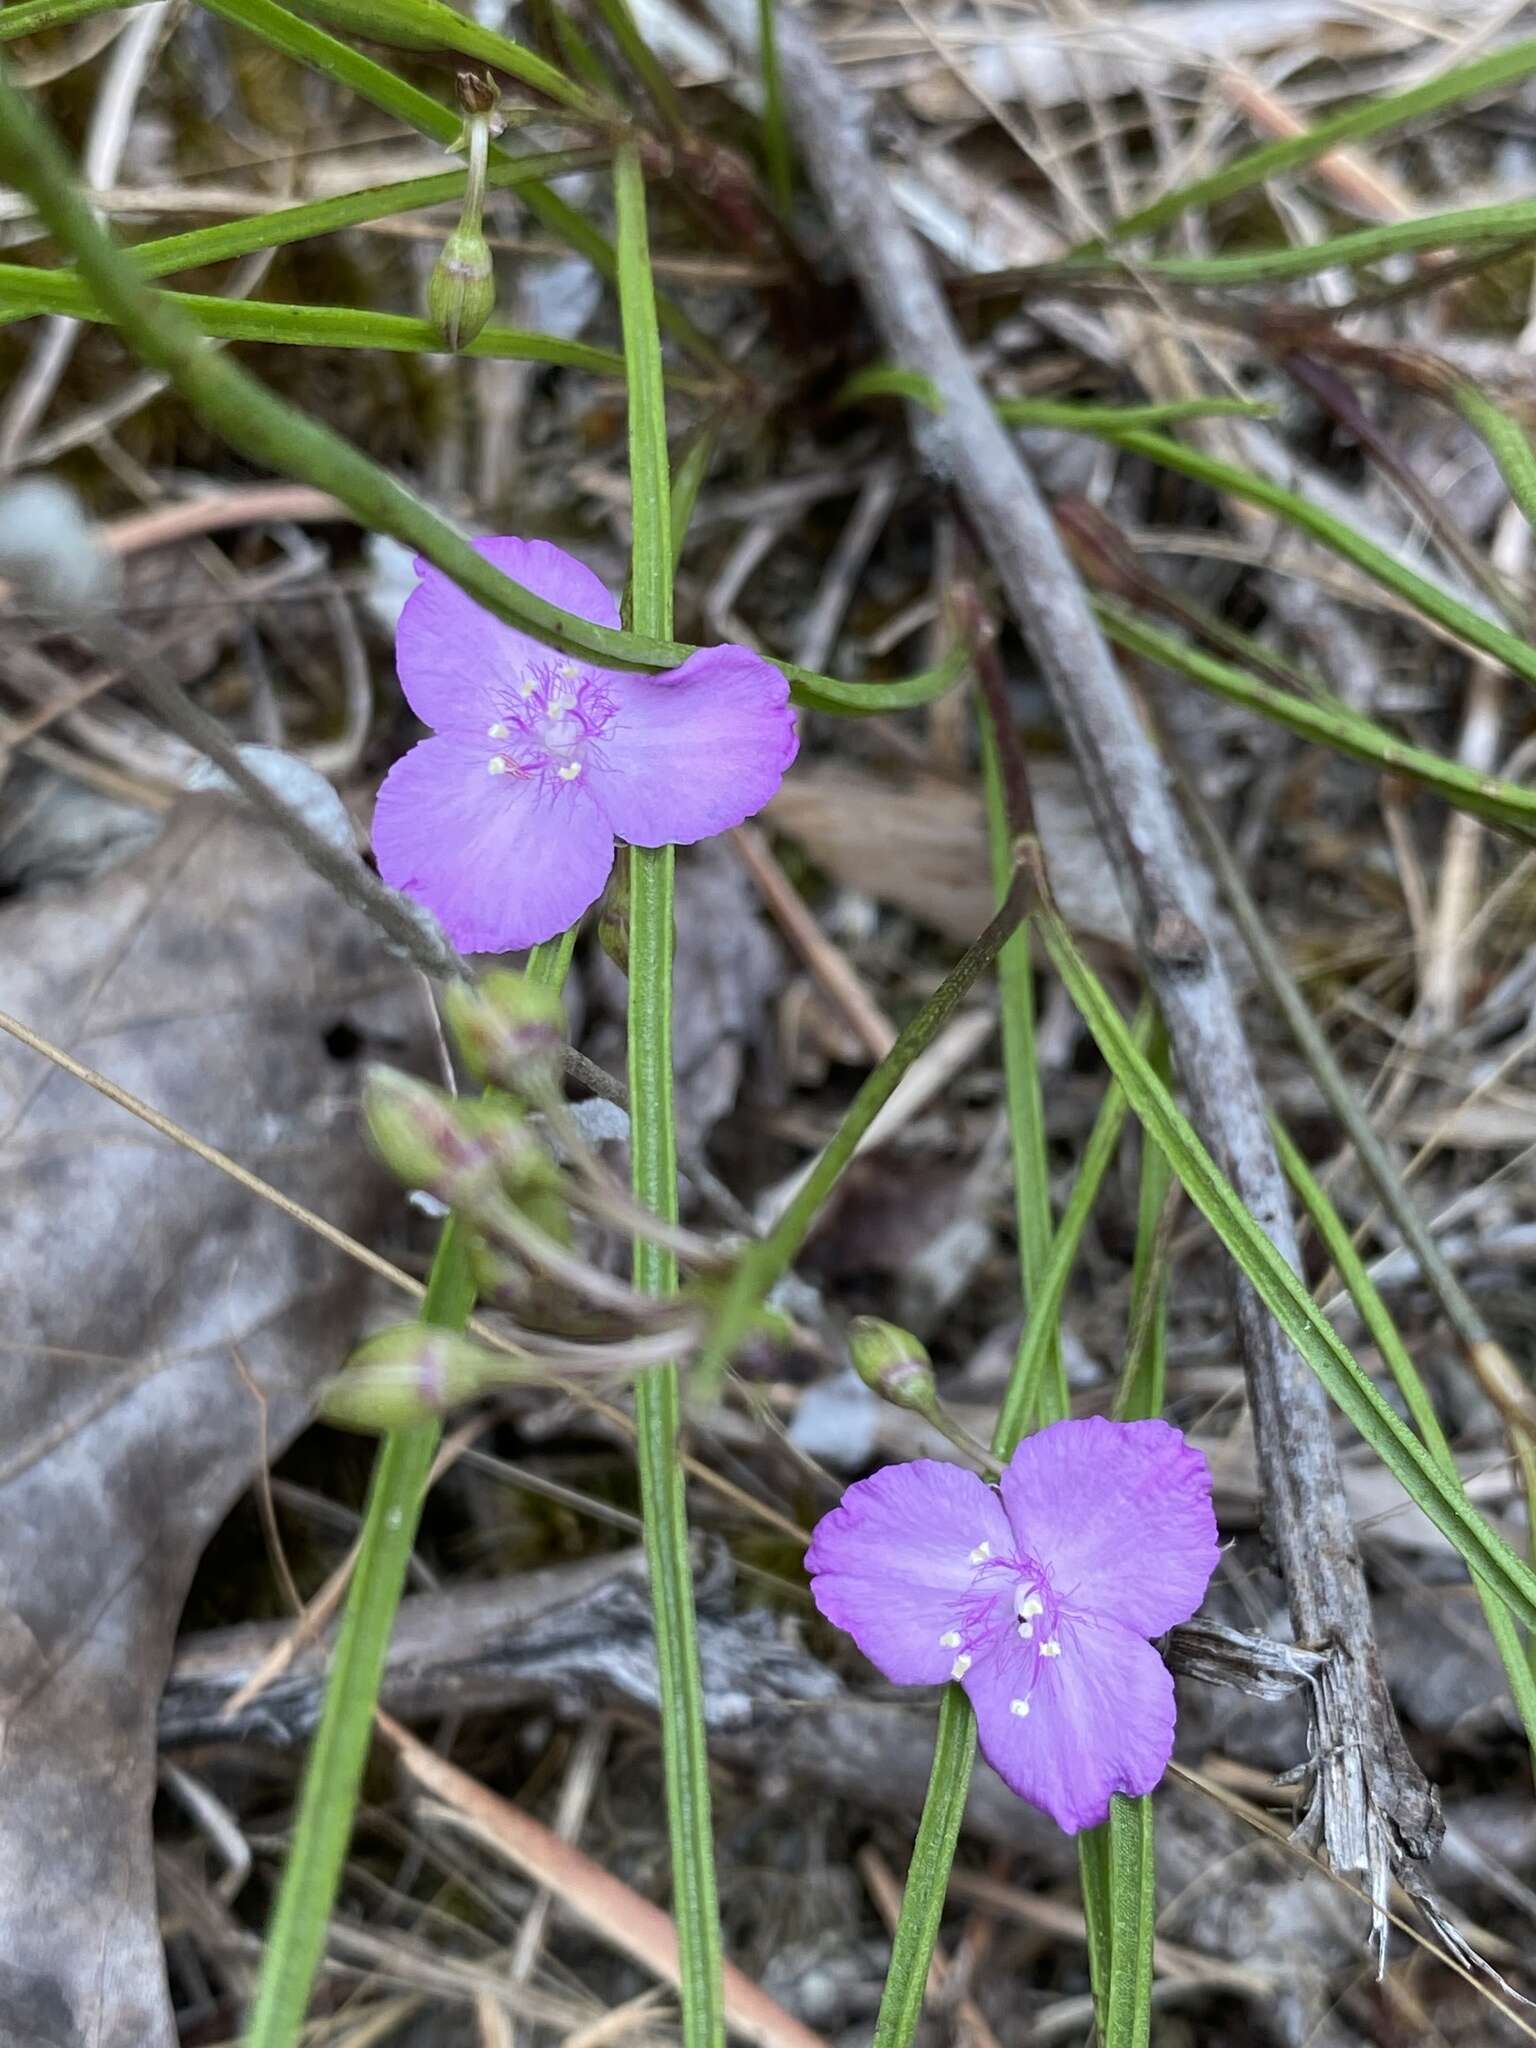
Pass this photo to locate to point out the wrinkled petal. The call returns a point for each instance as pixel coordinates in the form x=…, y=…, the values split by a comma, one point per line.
x=1120, y=1515
x=1099, y=1719
x=695, y=751
x=501, y=862
x=894, y=1563
x=456, y=662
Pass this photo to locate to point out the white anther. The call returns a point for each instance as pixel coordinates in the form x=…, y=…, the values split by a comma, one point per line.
x=981, y=1553
x=496, y=732
x=1050, y=1649
x=1026, y=1631
x=1028, y=1606
x=568, y=670
x=961, y=1665
x=950, y=1640
x=1019, y=1707
x=569, y=772
x=497, y=765
x=527, y=687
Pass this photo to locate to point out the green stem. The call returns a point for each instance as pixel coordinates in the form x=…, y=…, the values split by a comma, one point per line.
x=653, y=1151
x=776, y=147
x=333, y=1773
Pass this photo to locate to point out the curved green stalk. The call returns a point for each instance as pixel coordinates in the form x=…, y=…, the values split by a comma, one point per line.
x=1506, y=441
x=333, y=1771
x=653, y=1151
x=883, y=380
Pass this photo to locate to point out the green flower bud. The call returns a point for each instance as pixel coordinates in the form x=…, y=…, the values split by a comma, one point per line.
x=465, y=1153
x=462, y=292
x=892, y=1362
x=509, y=1030
x=407, y=1373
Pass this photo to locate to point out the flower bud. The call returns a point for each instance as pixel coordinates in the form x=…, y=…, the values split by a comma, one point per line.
x=510, y=1030
x=407, y=1373
x=477, y=94
x=462, y=292
x=462, y=1152
x=892, y=1363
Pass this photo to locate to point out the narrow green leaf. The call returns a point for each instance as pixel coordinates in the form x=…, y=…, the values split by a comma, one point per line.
x=642, y=60
x=1132, y=1887
x=1327, y=721
x=1506, y=441
x=1507, y=221
x=933, y=1856
x=653, y=1151
x=1346, y=1382
x=1376, y=114
x=1447, y=611
x=1395, y=1355
x=333, y=1772
x=882, y=381
x=1034, y=1395
x=32, y=17
x=25, y=292
x=777, y=154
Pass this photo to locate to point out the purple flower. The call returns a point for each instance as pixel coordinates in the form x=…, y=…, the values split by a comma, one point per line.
x=503, y=823
x=1039, y=1600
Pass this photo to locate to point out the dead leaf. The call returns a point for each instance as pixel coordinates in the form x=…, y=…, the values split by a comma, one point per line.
x=219, y=979
x=920, y=845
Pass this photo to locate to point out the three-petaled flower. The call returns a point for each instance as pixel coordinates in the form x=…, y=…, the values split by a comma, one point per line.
x=1039, y=1599
x=504, y=822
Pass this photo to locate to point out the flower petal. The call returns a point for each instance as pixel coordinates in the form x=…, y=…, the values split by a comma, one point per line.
x=695, y=751
x=1120, y=1515
x=1099, y=1717
x=451, y=654
x=501, y=862
x=893, y=1564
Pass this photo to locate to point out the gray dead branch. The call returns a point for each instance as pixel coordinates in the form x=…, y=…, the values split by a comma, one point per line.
x=1371, y=1804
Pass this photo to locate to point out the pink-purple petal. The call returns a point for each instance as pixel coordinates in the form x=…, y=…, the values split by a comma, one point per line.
x=1120, y=1515
x=695, y=751
x=1100, y=1718
x=893, y=1565
x=456, y=660
x=501, y=862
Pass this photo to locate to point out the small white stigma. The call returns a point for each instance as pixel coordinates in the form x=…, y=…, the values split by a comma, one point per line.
x=961, y=1665
x=569, y=772
x=1019, y=1707
x=1026, y=1631
x=1050, y=1649
x=981, y=1553
x=496, y=732
x=497, y=765
x=950, y=1640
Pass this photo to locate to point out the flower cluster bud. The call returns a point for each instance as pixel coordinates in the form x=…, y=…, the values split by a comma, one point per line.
x=470, y=1155
x=510, y=1031
x=892, y=1362
x=410, y=1372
